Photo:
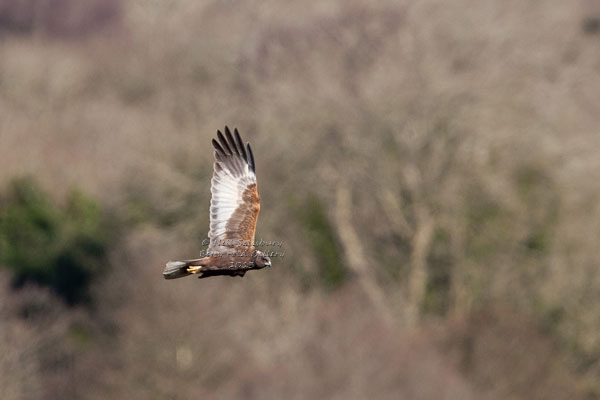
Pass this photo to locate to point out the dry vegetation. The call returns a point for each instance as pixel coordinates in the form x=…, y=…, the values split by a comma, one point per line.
x=431, y=168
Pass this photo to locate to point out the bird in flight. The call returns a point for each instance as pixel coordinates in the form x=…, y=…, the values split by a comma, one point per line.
x=234, y=209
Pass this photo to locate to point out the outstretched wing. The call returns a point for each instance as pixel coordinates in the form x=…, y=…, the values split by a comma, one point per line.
x=235, y=203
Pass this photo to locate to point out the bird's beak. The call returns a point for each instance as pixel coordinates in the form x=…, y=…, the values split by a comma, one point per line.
x=268, y=265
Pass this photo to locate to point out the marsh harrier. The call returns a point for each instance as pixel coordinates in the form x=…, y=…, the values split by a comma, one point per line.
x=234, y=209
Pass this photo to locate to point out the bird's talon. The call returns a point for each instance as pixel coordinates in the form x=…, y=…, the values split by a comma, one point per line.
x=194, y=269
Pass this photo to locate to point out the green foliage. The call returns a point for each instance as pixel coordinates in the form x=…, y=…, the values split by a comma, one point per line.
x=164, y=207
x=60, y=247
x=528, y=179
x=323, y=243
x=537, y=192
x=80, y=334
x=488, y=227
x=440, y=261
x=549, y=315
x=537, y=241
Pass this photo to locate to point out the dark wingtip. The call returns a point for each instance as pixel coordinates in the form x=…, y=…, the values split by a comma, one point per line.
x=231, y=141
x=219, y=152
x=224, y=143
x=240, y=144
x=217, y=146
x=227, y=145
x=250, y=158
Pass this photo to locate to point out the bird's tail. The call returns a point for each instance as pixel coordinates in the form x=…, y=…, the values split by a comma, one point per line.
x=179, y=269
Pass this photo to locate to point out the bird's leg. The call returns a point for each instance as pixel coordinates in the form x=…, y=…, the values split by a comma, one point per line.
x=194, y=269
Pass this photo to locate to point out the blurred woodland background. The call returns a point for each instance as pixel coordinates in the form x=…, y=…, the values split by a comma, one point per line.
x=432, y=169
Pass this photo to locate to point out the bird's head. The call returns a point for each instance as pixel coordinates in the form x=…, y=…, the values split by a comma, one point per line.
x=262, y=260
